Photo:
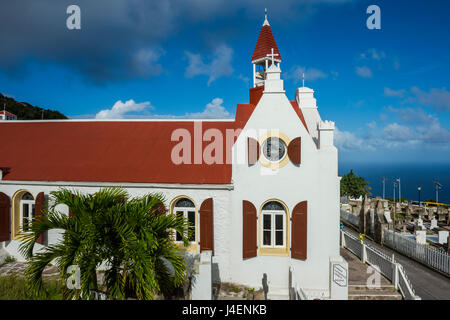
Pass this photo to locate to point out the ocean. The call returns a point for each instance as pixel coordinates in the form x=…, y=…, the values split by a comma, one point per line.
x=411, y=176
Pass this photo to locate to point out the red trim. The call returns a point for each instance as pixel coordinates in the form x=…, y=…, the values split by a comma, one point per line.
x=256, y=94
x=299, y=113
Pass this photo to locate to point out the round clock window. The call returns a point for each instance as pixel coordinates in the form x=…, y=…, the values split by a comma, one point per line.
x=274, y=149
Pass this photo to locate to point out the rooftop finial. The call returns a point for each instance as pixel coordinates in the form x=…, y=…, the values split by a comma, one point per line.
x=303, y=78
x=266, y=22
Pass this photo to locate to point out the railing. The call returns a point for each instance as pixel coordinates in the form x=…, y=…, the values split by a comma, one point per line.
x=385, y=264
x=295, y=291
x=352, y=244
x=382, y=261
x=420, y=252
x=405, y=285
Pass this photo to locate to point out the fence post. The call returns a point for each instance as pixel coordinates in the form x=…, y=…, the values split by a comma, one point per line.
x=395, y=274
x=342, y=239
x=363, y=252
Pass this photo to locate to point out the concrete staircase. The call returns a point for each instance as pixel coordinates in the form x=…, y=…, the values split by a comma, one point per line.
x=361, y=292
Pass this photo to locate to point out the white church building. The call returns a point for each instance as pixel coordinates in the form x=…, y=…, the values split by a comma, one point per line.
x=261, y=190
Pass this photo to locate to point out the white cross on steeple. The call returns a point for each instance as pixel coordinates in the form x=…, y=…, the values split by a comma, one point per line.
x=272, y=55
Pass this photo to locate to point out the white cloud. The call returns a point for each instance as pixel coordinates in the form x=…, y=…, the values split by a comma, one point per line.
x=397, y=132
x=393, y=93
x=411, y=115
x=372, y=125
x=439, y=99
x=373, y=54
x=245, y=79
x=345, y=140
x=311, y=74
x=364, y=72
x=219, y=65
x=213, y=110
x=119, y=109
x=144, y=62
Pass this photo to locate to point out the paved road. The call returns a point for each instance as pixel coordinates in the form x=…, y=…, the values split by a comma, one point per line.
x=427, y=283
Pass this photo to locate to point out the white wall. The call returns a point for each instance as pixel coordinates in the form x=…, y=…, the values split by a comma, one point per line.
x=221, y=202
x=316, y=180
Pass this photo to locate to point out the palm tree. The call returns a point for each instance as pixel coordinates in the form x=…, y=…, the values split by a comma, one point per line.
x=131, y=237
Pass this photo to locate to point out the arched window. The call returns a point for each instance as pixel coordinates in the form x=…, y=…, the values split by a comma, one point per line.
x=273, y=226
x=186, y=208
x=26, y=211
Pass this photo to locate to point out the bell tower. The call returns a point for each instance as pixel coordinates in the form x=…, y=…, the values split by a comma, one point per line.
x=265, y=54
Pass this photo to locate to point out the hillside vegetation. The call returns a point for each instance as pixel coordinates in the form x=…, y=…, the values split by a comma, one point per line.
x=25, y=111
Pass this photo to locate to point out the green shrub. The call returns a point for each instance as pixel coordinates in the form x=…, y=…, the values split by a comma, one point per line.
x=9, y=259
x=13, y=287
x=235, y=289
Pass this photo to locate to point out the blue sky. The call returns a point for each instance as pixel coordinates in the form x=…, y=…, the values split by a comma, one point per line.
x=387, y=90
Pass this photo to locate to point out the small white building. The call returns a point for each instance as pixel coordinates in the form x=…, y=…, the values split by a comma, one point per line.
x=261, y=190
x=5, y=115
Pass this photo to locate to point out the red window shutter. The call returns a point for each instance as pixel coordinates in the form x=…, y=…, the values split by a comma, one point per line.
x=253, y=150
x=295, y=150
x=161, y=209
x=299, y=231
x=38, y=206
x=206, y=225
x=249, y=227
x=71, y=214
x=4, y=217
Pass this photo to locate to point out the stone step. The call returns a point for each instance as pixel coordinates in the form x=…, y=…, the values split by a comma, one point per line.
x=357, y=288
x=375, y=297
x=362, y=292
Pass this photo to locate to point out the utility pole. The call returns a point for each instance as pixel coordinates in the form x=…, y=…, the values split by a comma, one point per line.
x=384, y=187
x=438, y=187
x=418, y=189
x=399, y=190
x=395, y=185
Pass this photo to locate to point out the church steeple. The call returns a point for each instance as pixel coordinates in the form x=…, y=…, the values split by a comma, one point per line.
x=265, y=53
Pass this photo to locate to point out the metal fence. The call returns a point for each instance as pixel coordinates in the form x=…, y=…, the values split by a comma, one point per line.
x=420, y=252
x=352, y=244
x=382, y=261
x=385, y=264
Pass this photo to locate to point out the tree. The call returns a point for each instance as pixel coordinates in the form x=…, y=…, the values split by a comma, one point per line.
x=354, y=186
x=130, y=236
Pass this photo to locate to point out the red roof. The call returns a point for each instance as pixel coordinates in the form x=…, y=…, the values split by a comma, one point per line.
x=105, y=151
x=299, y=112
x=7, y=113
x=265, y=43
x=113, y=151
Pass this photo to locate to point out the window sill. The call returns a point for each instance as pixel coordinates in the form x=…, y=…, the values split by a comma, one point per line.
x=279, y=252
